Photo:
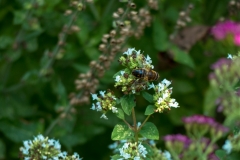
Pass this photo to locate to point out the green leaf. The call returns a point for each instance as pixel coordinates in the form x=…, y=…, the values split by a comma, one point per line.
x=160, y=37
x=120, y=113
x=31, y=77
x=150, y=110
x=19, y=133
x=121, y=132
x=182, y=57
x=5, y=41
x=150, y=150
x=147, y=96
x=149, y=130
x=221, y=154
x=2, y=149
x=127, y=103
x=210, y=98
x=116, y=157
x=19, y=17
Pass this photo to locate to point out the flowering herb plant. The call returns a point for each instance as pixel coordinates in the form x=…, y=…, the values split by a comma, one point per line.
x=135, y=139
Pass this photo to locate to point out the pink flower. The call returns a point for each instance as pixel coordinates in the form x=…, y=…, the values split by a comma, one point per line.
x=222, y=29
x=237, y=39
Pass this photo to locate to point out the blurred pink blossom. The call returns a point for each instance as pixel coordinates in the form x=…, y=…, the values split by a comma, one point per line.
x=222, y=29
x=237, y=39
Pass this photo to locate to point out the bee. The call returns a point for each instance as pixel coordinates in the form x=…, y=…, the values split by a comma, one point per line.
x=146, y=75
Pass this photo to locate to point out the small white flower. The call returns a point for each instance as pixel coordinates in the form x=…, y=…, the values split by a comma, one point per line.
x=167, y=155
x=152, y=142
x=114, y=110
x=76, y=156
x=173, y=103
x=125, y=146
x=142, y=150
x=148, y=60
x=99, y=107
x=160, y=87
x=229, y=56
x=150, y=86
x=166, y=82
x=160, y=100
x=93, y=107
x=227, y=146
x=136, y=158
x=40, y=137
x=139, y=124
x=129, y=51
x=133, y=91
x=118, y=78
x=113, y=146
x=26, y=144
x=24, y=150
x=102, y=93
x=138, y=52
x=104, y=116
x=122, y=72
x=94, y=96
x=165, y=94
x=57, y=145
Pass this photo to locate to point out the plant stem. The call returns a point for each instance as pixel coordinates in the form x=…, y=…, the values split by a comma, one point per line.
x=94, y=11
x=144, y=122
x=49, y=129
x=135, y=125
x=128, y=124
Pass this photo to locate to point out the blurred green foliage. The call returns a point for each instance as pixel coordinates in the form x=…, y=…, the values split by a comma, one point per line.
x=34, y=85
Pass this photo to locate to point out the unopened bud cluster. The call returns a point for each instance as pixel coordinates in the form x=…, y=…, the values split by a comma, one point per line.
x=87, y=84
x=226, y=74
x=184, y=17
x=162, y=96
x=153, y=4
x=106, y=101
x=44, y=148
x=201, y=125
x=142, y=20
x=233, y=7
x=124, y=78
x=80, y=5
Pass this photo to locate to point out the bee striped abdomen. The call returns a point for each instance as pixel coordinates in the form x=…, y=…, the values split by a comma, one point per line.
x=152, y=75
x=147, y=75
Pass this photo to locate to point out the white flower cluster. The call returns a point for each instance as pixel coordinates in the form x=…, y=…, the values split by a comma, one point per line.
x=162, y=96
x=105, y=102
x=146, y=63
x=49, y=149
x=127, y=151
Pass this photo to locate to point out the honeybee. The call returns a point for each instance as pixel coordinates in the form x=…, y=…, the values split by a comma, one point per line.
x=145, y=75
